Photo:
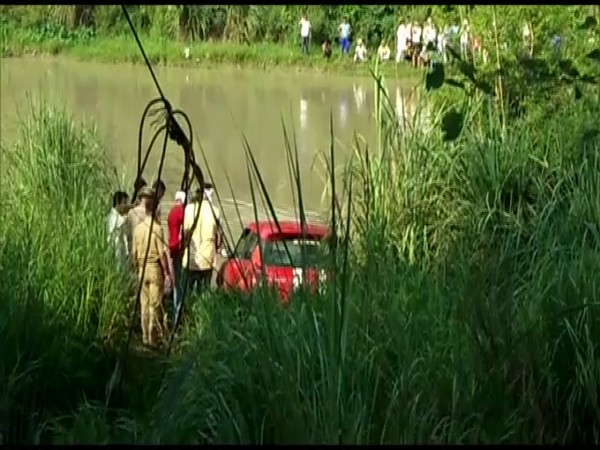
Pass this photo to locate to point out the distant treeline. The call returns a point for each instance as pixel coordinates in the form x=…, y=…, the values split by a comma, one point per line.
x=279, y=24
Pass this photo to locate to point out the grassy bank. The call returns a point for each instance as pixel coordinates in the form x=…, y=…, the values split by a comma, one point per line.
x=268, y=36
x=462, y=312
x=205, y=54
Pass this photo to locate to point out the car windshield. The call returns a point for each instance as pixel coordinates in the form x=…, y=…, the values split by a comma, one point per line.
x=275, y=253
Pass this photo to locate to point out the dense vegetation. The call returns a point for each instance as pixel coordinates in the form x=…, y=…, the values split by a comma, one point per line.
x=258, y=35
x=279, y=24
x=464, y=309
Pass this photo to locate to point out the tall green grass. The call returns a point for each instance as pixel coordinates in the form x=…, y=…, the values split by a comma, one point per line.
x=463, y=307
x=466, y=313
x=63, y=300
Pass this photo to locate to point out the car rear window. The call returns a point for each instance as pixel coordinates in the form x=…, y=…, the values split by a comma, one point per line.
x=276, y=254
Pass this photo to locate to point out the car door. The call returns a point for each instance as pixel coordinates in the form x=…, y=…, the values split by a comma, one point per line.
x=237, y=271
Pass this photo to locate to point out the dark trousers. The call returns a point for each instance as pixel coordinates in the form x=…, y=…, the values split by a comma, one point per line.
x=198, y=280
x=305, y=45
x=179, y=284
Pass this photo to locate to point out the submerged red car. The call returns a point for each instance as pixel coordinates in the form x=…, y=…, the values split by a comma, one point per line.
x=291, y=256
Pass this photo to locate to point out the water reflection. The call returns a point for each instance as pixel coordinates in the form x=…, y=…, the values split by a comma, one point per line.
x=343, y=110
x=303, y=113
x=359, y=96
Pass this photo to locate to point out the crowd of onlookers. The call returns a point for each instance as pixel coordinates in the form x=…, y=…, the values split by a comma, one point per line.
x=417, y=43
x=162, y=266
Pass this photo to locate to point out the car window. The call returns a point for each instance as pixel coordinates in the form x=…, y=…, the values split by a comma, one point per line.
x=275, y=253
x=246, y=245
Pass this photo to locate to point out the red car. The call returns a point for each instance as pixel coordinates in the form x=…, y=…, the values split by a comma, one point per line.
x=280, y=261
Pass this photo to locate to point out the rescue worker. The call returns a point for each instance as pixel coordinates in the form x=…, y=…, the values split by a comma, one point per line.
x=201, y=241
x=157, y=279
x=137, y=214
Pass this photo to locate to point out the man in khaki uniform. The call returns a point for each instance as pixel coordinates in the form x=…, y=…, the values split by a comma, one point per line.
x=157, y=276
x=138, y=213
x=199, y=254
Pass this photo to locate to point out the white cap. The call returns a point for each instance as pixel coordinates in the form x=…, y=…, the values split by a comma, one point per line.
x=180, y=196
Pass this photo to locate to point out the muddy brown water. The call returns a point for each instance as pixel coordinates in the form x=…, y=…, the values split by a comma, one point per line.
x=223, y=104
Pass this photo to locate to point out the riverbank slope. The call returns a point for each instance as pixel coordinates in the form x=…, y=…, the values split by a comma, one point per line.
x=124, y=49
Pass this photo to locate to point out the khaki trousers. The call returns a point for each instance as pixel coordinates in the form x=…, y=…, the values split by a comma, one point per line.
x=153, y=316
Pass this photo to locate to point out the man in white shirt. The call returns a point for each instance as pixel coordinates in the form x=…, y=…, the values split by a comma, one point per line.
x=384, y=52
x=304, y=33
x=201, y=240
x=401, y=40
x=116, y=226
x=360, y=52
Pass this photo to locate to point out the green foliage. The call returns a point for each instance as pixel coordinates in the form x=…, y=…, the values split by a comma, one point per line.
x=63, y=301
x=464, y=312
x=258, y=23
x=521, y=79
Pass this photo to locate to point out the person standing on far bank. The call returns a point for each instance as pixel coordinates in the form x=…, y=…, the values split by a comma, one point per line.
x=148, y=239
x=200, y=240
x=344, y=29
x=402, y=33
x=305, y=33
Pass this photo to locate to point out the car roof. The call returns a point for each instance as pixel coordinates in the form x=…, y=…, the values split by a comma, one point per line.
x=266, y=228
